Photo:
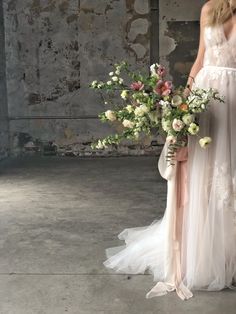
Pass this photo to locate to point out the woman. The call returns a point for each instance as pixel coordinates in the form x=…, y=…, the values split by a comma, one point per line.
x=193, y=246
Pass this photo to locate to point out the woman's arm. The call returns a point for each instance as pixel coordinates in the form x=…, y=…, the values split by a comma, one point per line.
x=201, y=50
x=182, y=152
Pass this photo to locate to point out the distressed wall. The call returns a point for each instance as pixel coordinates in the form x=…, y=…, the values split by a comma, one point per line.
x=54, y=48
x=4, y=131
x=179, y=36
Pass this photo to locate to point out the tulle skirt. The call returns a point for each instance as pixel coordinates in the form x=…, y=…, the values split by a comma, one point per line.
x=193, y=247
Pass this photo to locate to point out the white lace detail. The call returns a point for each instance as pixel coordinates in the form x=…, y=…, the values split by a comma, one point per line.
x=223, y=186
x=216, y=73
x=219, y=51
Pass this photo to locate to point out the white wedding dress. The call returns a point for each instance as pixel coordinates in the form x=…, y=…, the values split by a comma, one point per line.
x=193, y=247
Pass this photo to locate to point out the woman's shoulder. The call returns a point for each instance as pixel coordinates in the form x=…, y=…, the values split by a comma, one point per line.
x=207, y=7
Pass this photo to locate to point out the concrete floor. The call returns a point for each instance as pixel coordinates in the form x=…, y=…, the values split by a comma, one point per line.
x=57, y=216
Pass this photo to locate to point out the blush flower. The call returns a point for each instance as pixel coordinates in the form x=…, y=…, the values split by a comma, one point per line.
x=177, y=125
x=137, y=86
x=171, y=139
x=163, y=88
x=161, y=71
x=157, y=70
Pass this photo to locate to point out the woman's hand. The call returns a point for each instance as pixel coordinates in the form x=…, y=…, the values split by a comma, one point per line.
x=181, y=154
x=186, y=92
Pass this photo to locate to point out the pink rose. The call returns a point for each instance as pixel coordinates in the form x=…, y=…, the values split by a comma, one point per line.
x=177, y=125
x=163, y=88
x=137, y=86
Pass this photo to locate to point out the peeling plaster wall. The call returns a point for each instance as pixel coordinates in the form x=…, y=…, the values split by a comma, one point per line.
x=179, y=36
x=54, y=49
x=4, y=131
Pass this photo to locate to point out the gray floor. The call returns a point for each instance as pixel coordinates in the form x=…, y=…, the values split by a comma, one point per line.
x=57, y=216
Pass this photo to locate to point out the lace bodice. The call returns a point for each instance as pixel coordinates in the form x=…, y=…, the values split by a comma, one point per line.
x=220, y=51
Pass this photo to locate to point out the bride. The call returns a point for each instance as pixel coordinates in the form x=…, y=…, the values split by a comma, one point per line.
x=193, y=247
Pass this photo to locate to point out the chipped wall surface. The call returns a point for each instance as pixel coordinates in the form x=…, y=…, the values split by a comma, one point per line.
x=54, y=49
x=179, y=36
x=4, y=131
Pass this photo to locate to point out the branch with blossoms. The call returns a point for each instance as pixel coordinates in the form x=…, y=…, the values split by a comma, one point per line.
x=150, y=102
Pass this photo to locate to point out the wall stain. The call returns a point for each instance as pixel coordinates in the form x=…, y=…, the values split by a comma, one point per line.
x=71, y=18
x=51, y=59
x=186, y=36
x=87, y=10
x=73, y=85
x=108, y=8
x=34, y=99
x=63, y=7
x=12, y=5
x=36, y=8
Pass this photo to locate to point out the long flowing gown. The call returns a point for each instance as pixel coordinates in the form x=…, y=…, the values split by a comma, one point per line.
x=193, y=247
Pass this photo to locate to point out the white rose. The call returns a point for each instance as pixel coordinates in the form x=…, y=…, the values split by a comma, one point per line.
x=104, y=143
x=129, y=108
x=193, y=128
x=188, y=118
x=176, y=101
x=94, y=83
x=124, y=94
x=139, y=111
x=164, y=103
x=109, y=83
x=117, y=72
x=177, y=125
x=127, y=123
x=115, y=78
x=153, y=68
x=110, y=115
x=121, y=81
x=205, y=141
x=99, y=145
x=111, y=73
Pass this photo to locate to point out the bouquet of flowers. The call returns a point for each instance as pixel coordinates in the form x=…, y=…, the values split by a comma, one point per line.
x=151, y=103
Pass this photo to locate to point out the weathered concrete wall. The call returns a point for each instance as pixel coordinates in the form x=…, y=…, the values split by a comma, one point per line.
x=54, y=49
x=4, y=132
x=179, y=36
